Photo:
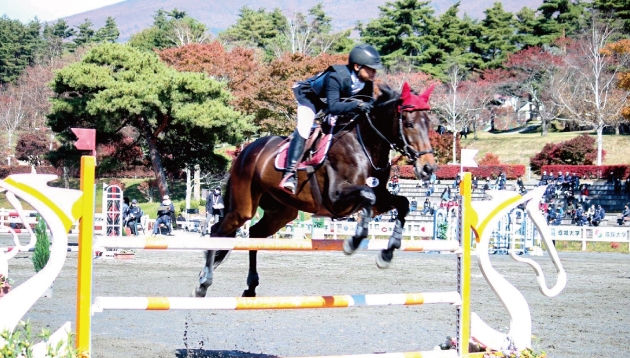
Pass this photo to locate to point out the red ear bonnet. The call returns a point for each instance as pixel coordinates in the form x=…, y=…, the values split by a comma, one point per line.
x=418, y=102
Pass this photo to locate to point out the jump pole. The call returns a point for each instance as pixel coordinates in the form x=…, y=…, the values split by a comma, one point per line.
x=463, y=267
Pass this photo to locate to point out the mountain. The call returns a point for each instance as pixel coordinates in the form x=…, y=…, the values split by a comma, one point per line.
x=134, y=15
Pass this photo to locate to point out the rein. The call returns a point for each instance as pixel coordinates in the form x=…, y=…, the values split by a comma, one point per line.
x=407, y=150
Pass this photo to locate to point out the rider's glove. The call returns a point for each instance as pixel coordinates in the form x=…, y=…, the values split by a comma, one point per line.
x=365, y=107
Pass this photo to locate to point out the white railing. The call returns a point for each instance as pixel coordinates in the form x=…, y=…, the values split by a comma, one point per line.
x=591, y=234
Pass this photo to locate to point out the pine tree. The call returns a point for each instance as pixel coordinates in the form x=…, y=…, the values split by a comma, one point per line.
x=496, y=41
x=526, y=22
x=404, y=32
x=86, y=33
x=617, y=11
x=255, y=27
x=560, y=18
x=19, y=45
x=109, y=32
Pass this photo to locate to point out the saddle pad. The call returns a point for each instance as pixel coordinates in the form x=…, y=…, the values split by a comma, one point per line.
x=318, y=156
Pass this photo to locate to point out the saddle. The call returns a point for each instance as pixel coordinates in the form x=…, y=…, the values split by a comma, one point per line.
x=316, y=146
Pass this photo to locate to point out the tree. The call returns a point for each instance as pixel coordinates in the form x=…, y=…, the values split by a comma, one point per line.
x=180, y=116
x=497, y=36
x=32, y=148
x=109, y=32
x=453, y=100
x=255, y=28
x=404, y=30
x=12, y=111
x=587, y=88
x=617, y=12
x=19, y=45
x=170, y=29
x=560, y=18
x=55, y=37
x=535, y=71
x=86, y=33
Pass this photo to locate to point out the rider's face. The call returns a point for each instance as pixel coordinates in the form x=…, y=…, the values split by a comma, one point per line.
x=365, y=73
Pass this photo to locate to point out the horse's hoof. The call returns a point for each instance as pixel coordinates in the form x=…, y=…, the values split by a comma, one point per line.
x=249, y=293
x=200, y=291
x=383, y=260
x=348, y=249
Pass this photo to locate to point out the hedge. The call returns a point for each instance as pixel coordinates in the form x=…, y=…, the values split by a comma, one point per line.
x=590, y=171
x=512, y=171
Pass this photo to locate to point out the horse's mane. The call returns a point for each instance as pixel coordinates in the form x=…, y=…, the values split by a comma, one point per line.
x=388, y=96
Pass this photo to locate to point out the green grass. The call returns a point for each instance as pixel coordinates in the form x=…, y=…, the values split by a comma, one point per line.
x=518, y=148
x=596, y=246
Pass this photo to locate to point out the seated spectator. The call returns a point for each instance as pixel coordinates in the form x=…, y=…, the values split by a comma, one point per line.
x=457, y=181
x=446, y=195
x=576, y=182
x=543, y=179
x=600, y=215
x=164, y=215
x=134, y=214
x=413, y=206
x=590, y=213
x=560, y=179
x=443, y=204
x=486, y=186
x=571, y=209
x=426, y=206
x=625, y=216
x=475, y=183
x=579, y=217
x=611, y=178
x=430, y=189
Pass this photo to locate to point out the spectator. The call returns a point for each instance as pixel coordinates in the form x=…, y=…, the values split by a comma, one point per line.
x=446, y=195
x=571, y=209
x=627, y=187
x=214, y=208
x=600, y=215
x=576, y=182
x=443, y=203
x=486, y=186
x=543, y=179
x=590, y=214
x=579, y=218
x=433, y=178
x=164, y=215
x=519, y=181
x=134, y=215
x=440, y=129
x=617, y=185
x=394, y=214
x=611, y=178
x=426, y=206
x=560, y=179
x=414, y=205
x=475, y=183
x=430, y=189
x=625, y=216
x=583, y=193
x=125, y=209
x=457, y=181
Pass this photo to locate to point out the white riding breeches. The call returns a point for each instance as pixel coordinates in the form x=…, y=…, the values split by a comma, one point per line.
x=305, y=119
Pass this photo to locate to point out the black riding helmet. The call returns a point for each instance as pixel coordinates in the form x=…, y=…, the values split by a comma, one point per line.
x=365, y=55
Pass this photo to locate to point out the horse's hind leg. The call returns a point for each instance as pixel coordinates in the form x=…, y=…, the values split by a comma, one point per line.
x=273, y=220
x=226, y=227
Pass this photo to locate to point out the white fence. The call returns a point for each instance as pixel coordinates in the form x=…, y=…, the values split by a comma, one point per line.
x=592, y=234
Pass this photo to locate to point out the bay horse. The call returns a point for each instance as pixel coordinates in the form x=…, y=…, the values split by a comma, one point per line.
x=358, y=156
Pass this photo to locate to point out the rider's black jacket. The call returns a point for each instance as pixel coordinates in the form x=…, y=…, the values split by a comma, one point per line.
x=333, y=86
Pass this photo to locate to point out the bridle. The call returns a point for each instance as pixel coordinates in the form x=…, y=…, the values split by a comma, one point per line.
x=406, y=149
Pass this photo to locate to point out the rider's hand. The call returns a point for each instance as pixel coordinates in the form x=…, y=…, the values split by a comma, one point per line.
x=365, y=107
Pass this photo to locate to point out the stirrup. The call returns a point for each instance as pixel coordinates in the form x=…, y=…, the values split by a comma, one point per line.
x=289, y=183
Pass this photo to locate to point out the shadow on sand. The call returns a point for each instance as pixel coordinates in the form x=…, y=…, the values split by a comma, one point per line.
x=205, y=353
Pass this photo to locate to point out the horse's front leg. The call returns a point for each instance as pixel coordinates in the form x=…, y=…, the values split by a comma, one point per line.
x=347, y=198
x=401, y=204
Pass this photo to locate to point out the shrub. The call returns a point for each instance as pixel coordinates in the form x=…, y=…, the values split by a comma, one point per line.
x=41, y=253
x=512, y=171
x=443, y=147
x=490, y=159
x=118, y=183
x=580, y=150
x=590, y=171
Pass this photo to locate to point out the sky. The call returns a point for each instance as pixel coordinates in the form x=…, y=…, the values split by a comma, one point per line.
x=48, y=10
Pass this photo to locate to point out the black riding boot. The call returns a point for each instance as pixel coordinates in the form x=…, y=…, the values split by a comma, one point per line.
x=296, y=148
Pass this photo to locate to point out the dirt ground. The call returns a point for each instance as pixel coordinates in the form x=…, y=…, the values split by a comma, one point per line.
x=589, y=319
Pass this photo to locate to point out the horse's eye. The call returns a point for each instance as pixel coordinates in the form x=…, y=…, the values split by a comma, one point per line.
x=408, y=124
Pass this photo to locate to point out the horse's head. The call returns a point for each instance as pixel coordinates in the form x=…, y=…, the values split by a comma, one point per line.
x=411, y=124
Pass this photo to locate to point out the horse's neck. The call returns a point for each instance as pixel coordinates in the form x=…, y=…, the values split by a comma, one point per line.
x=375, y=145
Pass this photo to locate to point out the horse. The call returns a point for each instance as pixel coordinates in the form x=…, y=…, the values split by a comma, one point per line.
x=352, y=178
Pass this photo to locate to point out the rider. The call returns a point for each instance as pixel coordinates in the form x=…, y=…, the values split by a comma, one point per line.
x=337, y=83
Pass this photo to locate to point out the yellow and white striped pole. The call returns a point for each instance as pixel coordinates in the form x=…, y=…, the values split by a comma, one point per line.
x=463, y=267
x=84, y=279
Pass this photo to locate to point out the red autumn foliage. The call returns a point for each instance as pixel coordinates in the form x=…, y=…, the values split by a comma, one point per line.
x=443, y=147
x=590, y=171
x=512, y=171
x=32, y=148
x=489, y=159
x=580, y=150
